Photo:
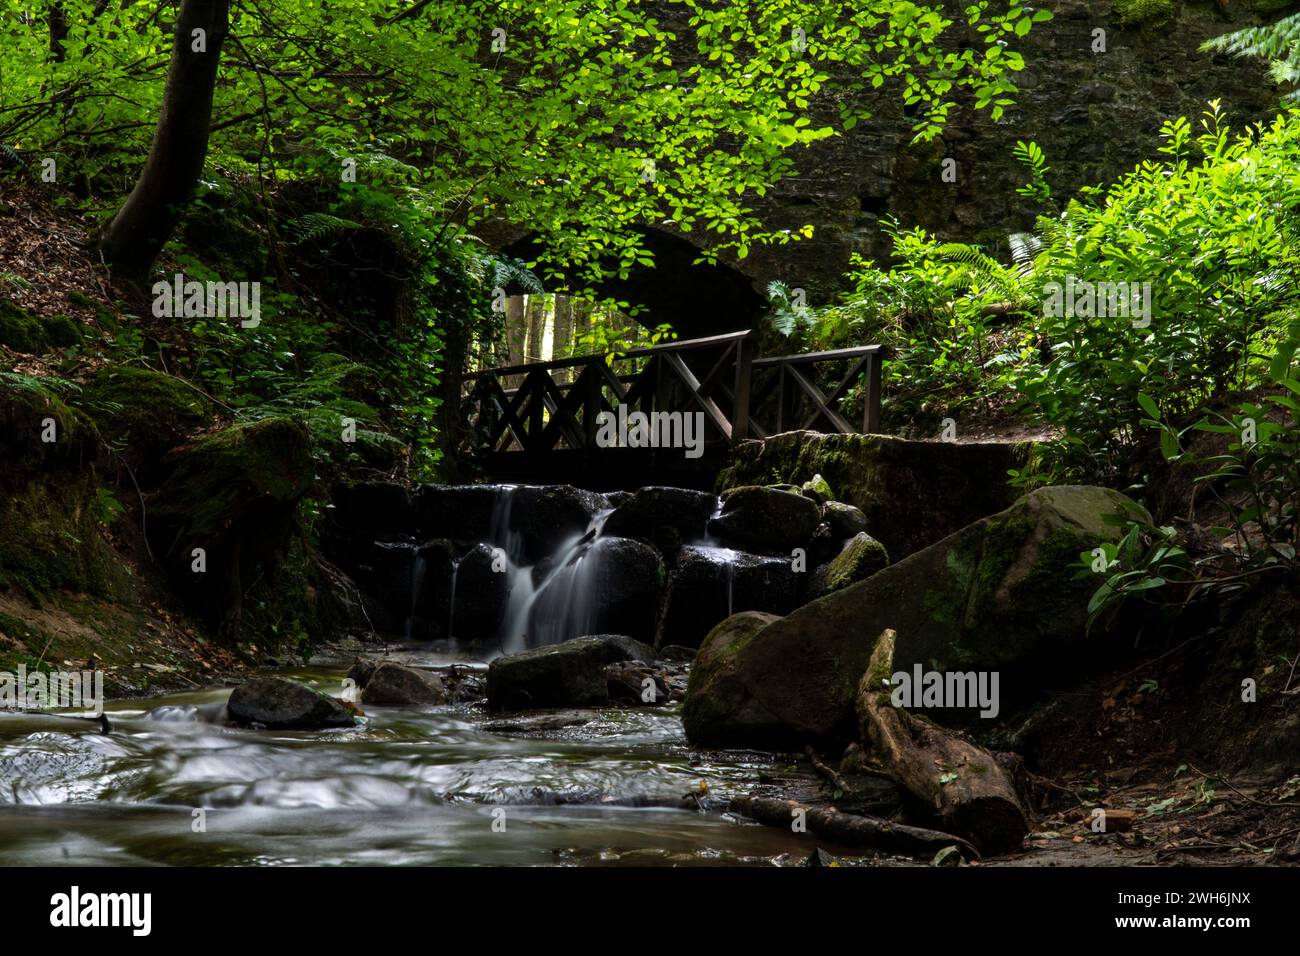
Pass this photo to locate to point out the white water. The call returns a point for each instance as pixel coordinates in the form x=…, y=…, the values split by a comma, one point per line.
x=564, y=602
x=562, y=606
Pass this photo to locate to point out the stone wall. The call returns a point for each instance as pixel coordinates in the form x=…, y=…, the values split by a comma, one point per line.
x=1094, y=114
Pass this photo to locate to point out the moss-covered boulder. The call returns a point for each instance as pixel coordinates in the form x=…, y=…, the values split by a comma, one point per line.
x=719, y=709
x=51, y=535
x=862, y=557
x=1000, y=595
x=232, y=496
x=913, y=493
x=35, y=334
x=765, y=520
x=144, y=412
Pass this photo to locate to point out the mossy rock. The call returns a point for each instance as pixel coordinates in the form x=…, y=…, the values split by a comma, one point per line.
x=1132, y=12
x=1000, y=595
x=50, y=534
x=862, y=557
x=234, y=495
x=143, y=411
x=34, y=334
x=718, y=710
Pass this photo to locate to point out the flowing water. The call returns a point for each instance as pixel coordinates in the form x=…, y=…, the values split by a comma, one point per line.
x=432, y=786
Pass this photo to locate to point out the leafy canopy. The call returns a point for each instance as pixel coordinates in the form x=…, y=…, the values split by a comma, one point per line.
x=576, y=118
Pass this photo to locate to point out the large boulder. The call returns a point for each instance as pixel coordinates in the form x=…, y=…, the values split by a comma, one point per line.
x=1000, y=595
x=862, y=557
x=719, y=709
x=766, y=520
x=546, y=516
x=279, y=704
x=612, y=587
x=395, y=685
x=571, y=674
x=913, y=493
x=685, y=511
x=710, y=584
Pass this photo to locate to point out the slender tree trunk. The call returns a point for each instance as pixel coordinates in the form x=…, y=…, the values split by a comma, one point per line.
x=536, y=328
x=562, y=334
x=516, y=336
x=143, y=225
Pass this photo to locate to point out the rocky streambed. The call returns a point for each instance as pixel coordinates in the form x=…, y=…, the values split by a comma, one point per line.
x=176, y=782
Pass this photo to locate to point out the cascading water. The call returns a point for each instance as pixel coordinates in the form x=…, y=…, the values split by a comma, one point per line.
x=562, y=605
x=417, y=581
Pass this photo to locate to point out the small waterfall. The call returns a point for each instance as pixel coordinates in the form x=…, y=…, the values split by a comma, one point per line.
x=724, y=561
x=417, y=581
x=562, y=605
x=451, y=605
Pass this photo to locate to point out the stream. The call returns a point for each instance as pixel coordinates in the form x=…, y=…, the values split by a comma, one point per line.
x=446, y=785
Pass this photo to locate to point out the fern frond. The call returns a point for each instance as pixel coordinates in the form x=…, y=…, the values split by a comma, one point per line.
x=316, y=226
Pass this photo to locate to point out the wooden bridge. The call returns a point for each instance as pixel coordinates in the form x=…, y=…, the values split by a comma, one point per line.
x=542, y=422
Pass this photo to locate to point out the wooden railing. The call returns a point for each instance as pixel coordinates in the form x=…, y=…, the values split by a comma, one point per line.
x=740, y=396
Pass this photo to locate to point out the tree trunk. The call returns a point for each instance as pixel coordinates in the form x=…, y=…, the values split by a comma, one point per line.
x=536, y=346
x=562, y=335
x=143, y=225
x=959, y=784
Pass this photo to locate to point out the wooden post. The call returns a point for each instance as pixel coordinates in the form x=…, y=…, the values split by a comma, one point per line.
x=871, y=407
x=744, y=372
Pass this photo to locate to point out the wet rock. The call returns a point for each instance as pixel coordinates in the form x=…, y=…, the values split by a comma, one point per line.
x=571, y=674
x=539, y=723
x=862, y=557
x=636, y=683
x=548, y=515
x=385, y=573
x=279, y=704
x=677, y=653
x=613, y=587
x=394, y=685
x=765, y=520
x=360, y=671
x=470, y=596
x=685, y=511
x=710, y=584
x=1001, y=595
x=845, y=520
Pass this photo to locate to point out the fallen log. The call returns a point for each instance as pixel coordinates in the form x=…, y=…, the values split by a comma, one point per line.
x=852, y=829
x=960, y=785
